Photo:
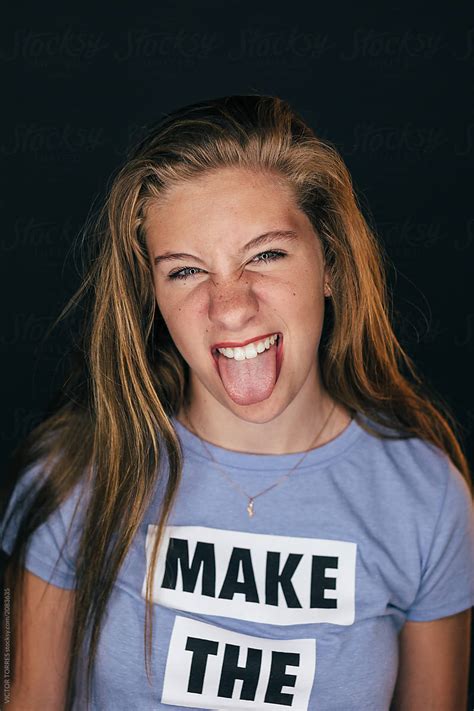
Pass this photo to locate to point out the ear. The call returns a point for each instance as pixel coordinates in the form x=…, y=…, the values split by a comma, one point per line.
x=327, y=283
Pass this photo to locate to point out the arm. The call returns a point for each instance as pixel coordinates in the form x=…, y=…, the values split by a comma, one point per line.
x=41, y=662
x=433, y=665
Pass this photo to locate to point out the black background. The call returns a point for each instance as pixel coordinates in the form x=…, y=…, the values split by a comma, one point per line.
x=391, y=89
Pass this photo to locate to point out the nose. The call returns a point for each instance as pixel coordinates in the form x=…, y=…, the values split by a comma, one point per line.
x=232, y=303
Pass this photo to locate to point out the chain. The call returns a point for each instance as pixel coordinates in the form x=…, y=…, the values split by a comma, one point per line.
x=280, y=480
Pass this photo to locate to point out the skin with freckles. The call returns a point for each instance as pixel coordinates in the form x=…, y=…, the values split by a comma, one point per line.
x=231, y=296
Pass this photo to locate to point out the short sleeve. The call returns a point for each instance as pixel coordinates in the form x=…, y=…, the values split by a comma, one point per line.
x=447, y=580
x=50, y=553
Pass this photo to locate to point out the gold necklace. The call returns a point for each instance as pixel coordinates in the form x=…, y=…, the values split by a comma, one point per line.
x=251, y=499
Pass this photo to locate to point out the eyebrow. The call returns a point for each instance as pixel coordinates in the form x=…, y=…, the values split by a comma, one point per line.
x=255, y=243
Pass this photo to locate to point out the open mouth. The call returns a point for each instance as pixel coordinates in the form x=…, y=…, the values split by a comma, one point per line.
x=279, y=353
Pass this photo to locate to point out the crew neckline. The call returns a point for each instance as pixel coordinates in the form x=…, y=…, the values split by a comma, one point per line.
x=258, y=462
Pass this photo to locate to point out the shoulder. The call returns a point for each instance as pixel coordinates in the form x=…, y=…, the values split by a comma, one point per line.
x=411, y=469
x=66, y=509
x=424, y=512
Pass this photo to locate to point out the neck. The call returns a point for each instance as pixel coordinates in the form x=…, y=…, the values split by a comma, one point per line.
x=294, y=430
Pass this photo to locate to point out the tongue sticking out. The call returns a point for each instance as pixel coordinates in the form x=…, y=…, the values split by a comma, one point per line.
x=250, y=380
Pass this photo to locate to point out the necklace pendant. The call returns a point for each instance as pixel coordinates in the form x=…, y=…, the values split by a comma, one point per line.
x=250, y=510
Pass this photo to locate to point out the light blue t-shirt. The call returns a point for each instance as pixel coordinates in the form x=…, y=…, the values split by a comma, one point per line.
x=298, y=607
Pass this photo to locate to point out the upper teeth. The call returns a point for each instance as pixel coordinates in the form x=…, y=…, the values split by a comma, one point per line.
x=251, y=350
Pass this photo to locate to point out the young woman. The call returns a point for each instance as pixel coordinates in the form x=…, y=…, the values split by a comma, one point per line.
x=246, y=498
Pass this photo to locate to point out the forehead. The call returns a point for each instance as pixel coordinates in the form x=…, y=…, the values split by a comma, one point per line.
x=224, y=199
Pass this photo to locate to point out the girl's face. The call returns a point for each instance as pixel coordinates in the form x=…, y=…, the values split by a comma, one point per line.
x=214, y=286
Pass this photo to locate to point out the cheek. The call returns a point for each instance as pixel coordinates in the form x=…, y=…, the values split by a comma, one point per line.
x=306, y=311
x=183, y=325
x=310, y=285
x=303, y=298
x=172, y=315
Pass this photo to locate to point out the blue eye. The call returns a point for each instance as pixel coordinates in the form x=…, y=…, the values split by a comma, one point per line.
x=276, y=255
x=181, y=275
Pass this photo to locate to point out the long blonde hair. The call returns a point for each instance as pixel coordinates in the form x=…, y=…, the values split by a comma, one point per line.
x=112, y=426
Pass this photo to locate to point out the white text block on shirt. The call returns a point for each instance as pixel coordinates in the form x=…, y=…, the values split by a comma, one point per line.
x=214, y=668
x=281, y=580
